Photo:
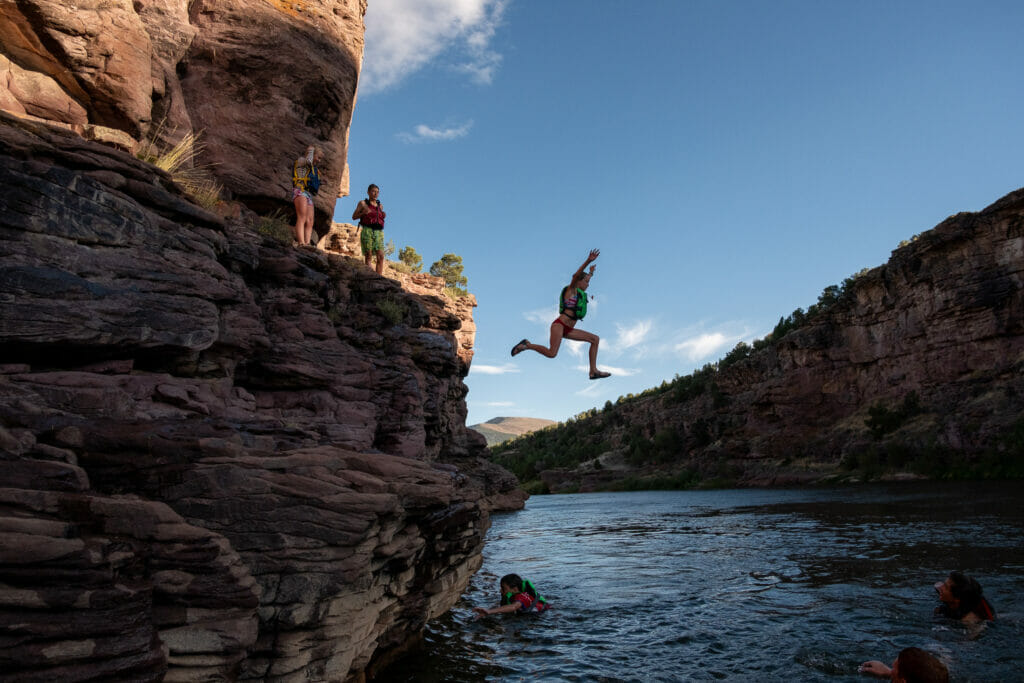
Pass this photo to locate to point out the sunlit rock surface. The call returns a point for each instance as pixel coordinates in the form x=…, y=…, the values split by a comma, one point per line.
x=258, y=80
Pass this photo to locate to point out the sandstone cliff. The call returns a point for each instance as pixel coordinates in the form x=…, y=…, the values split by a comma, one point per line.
x=259, y=79
x=222, y=457
x=917, y=365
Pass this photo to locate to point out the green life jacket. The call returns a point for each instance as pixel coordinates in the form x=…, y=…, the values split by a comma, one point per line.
x=540, y=603
x=581, y=304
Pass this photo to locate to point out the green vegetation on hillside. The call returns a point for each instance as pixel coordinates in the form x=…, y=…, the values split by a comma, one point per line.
x=411, y=258
x=592, y=433
x=665, y=447
x=1005, y=460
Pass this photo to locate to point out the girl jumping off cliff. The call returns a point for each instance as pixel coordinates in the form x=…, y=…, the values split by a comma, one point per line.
x=572, y=306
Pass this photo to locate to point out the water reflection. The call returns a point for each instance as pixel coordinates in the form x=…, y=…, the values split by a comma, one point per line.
x=737, y=585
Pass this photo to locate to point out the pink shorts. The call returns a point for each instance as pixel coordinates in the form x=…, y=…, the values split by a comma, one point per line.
x=296, y=193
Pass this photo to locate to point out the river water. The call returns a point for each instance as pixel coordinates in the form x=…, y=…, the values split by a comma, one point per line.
x=739, y=585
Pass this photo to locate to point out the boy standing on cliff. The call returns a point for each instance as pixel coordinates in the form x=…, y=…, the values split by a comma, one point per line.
x=370, y=214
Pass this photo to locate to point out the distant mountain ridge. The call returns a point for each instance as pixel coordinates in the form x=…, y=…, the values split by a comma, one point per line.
x=501, y=429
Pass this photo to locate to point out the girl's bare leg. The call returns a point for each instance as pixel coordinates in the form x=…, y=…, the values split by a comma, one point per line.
x=551, y=350
x=307, y=229
x=300, y=218
x=584, y=336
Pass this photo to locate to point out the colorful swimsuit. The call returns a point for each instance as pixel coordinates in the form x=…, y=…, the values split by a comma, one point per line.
x=573, y=307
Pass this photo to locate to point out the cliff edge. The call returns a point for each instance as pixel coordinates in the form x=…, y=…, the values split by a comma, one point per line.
x=222, y=457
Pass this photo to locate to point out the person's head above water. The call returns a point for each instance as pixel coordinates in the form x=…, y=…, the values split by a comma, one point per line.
x=961, y=596
x=914, y=665
x=511, y=583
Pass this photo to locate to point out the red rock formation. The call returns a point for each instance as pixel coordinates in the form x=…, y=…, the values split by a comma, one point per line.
x=260, y=80
x=343, y=238
x=221, y=455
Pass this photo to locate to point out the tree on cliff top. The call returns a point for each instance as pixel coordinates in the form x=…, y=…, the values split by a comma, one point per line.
x=449, y=269
x=411, y=258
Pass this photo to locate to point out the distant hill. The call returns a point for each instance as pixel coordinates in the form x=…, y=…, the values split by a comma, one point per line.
x=504, y=428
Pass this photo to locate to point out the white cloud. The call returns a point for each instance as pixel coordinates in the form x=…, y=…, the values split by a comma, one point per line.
x=541, y=315
x=592, y=389
x=704, y=345
x=424, y=133
x=481, y=369
x=616, y=372
x=632, y=335
x=577, y=348
x=499, y=404
x=403, y=36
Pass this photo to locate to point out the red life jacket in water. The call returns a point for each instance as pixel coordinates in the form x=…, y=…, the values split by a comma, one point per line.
x=528, y=602
x=985, y=611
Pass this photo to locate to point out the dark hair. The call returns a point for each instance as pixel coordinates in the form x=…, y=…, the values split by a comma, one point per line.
x=967, y=591
x=514, y=582
x=370, y=188
x=917, y=666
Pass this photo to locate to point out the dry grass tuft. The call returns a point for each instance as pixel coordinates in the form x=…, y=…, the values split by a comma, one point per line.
x=276, y=226
x=180, y=162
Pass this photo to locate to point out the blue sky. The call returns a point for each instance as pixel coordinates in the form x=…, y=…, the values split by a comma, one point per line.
x=730, y=160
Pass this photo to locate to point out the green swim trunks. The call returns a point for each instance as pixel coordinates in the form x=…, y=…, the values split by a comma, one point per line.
x=371, y=240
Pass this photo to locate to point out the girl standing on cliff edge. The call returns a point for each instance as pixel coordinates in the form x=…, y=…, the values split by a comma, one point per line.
x=572, y=306
x=305, y=184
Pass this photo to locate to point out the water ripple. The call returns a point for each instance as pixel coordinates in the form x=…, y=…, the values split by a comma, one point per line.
x=738, y=585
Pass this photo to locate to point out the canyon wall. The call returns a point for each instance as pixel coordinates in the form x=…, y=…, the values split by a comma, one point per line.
x=223, y=457
x=257, y=80
x=913, y=366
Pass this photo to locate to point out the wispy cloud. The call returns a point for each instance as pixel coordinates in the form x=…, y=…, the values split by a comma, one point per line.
x=424, y=133
x=632, y=335
x=578, y=349
x=592, y=389
x=704, y=345
x=480, y=369
x=499, y=404
x=403, y=36
x=616, y=372
x=541, y=315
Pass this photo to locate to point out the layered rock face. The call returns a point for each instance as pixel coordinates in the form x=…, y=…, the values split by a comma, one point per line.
x=222, y=456
x=932, y=343
x=259, y=80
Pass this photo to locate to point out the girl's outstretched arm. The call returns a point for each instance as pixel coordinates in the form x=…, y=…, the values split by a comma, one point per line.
x=514, y=606
x=591, y=257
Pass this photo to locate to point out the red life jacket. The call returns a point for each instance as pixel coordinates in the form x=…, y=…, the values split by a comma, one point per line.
x=374, y=216
x=528, y=602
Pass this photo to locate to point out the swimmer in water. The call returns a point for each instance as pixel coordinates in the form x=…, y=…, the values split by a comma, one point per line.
x=962, y=599
x=913, y=665
x=517, y=596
